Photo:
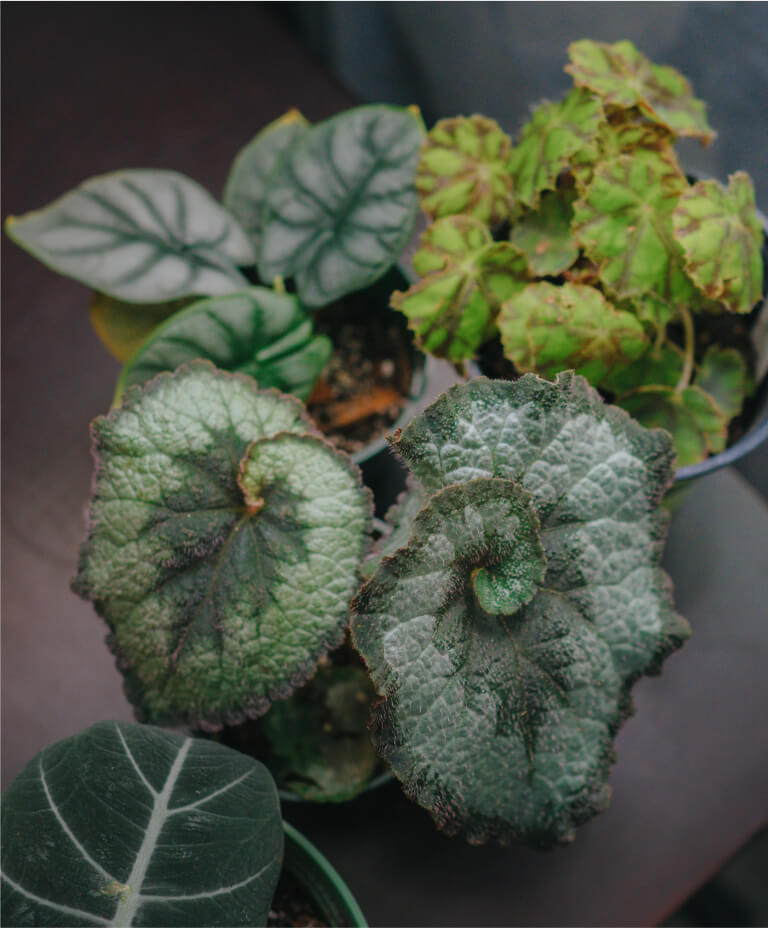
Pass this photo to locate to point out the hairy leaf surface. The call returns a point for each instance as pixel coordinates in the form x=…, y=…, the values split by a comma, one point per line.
x=122, y=326
x=224, y=544
x=463, y=170
x=544, y=235
x=547, y=329
x=721, y=237
x=130, y=825
x=505, y=636
x=258, y=332
x=246, y=187
x=342, y=205
x=142, y=236
x=623, y=77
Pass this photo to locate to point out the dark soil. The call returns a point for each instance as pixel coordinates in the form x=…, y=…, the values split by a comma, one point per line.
x=292, y=907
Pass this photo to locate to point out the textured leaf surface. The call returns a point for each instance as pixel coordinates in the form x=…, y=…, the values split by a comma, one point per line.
x=721, y=237
x=341, y=205
x=246, y=187
x=544, y=235
x=623, y=77
x=500, y=720
x=221, y=553
x=466, y=277
x=122, y=326
x=258, y=332
x=555, y=133
x=724, y=377
x=142, y=236
x=319, y=737
x=130, y=825
x=547, y=329
x=463, y=170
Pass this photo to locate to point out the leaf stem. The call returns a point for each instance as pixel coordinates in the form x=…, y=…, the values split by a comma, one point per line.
x=688, y=323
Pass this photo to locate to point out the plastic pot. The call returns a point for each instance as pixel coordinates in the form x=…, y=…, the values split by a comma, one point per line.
x=315, y=876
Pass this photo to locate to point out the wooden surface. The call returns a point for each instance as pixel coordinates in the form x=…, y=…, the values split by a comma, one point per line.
x=90, y=88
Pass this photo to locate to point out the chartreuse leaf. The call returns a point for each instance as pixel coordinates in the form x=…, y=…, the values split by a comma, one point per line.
x=319, y=740
x=555, y=132
x=341, y=204
x=143, y=236
x=547, y=329
x=131, y=825
x=246, y=187
x=505, y=636
x=691, y=416
x=122, y=326
x=223, y=547
x=724, y=377
x=463, y=170
x=623, y=77
x=721, y=238
x=258, y=332
x=467, y=275
x=544, y=235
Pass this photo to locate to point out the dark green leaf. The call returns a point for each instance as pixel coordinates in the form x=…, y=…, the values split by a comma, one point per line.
x=130, y=825
x=224, y=544
x=258, y=332
x=544, y=235
x=399, y=518
x=661, y=366
x=141, y=236
x=724, y=377
x=341, y=205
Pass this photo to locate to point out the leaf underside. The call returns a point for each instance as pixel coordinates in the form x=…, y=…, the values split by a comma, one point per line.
x=223, y=548
x=505, y=669
x=122, y=327
x=130, y=825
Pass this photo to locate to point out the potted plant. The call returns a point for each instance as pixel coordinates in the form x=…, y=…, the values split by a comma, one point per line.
x=186, y=832
x=585, y=246
x=502, y=636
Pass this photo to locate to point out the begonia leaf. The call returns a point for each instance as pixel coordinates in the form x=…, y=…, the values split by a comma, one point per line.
x=721, y=237
x=142, y=236
x=258, y=332
x=399, y=518
x=246, y=187
x=723, y=375
x=547, y=329
x=467, y=276
x=223, y=547
x=505, y=636
x=122, y=326
x=544, y=235
x=463, y=170
x=131, y=825
x=555, y=132
x=623, y=77
x=661, y=366
x=341, y=204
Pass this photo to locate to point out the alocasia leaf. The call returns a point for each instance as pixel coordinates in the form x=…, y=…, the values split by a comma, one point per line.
x=691, y=416
x=341, y=204
x=142, y=236
x=547, y=329
x=467, y=275
x=223, y=547
x=258, y=332
x=463, y=170
x=721, y=237
x=544, y=235
x=505, y=637
x=130, y=825
x=246, y=186
x=724, y=377
x=623, y=77
x=122, y=326
x=555, y=132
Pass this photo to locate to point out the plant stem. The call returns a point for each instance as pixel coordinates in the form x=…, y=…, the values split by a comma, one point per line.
x=688, y=323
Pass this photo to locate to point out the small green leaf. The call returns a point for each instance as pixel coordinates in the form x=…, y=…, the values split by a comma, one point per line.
x=661, y=366
x=547, y=329
x=721, y=237
x=142, y=236
x=724, y=377
x=468, y=275
x=399, y=517
x=623, y=77
x=691, y=416
x=555, y=133
x=544, y=235
x=122, y=326
x=130, y=825
x=246, y=187
x=224, y=545
x=341, y=205
x=258, y=332
x=319, y=737
x=463, y=170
